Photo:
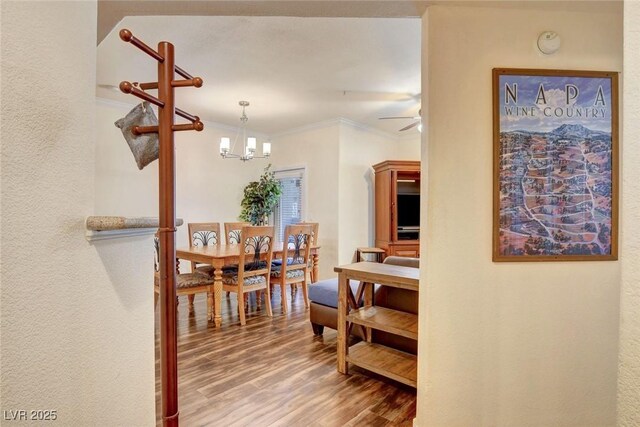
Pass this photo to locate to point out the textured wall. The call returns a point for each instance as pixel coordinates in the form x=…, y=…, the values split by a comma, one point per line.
x=629, y=371
x=76, y=320
x=506, y=344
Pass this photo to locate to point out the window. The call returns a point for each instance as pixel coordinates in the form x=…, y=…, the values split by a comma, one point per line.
x=289, y=209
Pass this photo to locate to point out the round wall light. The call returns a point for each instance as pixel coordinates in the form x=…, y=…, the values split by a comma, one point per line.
x=549, y=42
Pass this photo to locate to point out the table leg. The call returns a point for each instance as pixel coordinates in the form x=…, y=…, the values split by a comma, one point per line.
x=217, y=297
x=314, y=270
x=343, y=307
x=368, y=302
x=210, y=305
x=368, y=294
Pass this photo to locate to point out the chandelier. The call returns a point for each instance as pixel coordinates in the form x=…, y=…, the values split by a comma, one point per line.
x=249, y=151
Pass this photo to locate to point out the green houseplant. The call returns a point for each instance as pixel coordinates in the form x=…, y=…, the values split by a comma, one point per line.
x=260, y=197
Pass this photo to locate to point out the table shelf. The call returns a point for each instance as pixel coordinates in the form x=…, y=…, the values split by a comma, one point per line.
x=386, y=361
x=386, y=319
x=378, y=358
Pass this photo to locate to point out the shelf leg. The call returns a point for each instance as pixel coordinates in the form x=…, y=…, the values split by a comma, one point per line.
x=368, y=302
x=343, y=286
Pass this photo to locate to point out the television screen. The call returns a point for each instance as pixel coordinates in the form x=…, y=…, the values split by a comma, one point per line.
x=408, y=210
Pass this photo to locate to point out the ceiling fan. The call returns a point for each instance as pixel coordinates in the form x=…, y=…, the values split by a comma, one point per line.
x=417, y=121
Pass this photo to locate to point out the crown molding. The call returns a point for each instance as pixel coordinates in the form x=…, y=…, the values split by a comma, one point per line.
x=311, y=126
x=113, y=103
x=367, y=128
x=336, y=122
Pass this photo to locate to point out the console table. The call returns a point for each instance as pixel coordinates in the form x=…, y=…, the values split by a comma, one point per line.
x=383, y=360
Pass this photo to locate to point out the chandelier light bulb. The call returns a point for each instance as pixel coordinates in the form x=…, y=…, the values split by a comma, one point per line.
x=225, y=145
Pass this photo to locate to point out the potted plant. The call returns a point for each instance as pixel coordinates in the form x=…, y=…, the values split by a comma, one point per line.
x=260, y=197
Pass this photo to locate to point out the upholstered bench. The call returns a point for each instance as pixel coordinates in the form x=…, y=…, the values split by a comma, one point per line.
x=324, y=304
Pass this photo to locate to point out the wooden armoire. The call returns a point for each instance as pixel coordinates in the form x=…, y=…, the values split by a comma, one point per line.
x=397, y=207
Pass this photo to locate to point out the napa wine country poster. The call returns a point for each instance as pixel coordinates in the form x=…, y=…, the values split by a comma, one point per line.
x=555, y=165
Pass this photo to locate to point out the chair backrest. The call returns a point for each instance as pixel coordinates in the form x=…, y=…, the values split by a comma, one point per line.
x=257, y=250
x=204, y=233
x=298, y=240
x=314, y=231
x=233, y=232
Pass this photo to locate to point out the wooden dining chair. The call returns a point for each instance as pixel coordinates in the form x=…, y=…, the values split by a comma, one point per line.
x=232, y=235
x=233, y=231
x=314, y=242
x=296, y=251
x=204, y=234
x=186, y=283
x=254, y=267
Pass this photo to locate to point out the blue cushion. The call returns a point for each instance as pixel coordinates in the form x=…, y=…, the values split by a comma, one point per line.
x=233, y=268
x=291, y=274
x=325, y=292
x=278, y=261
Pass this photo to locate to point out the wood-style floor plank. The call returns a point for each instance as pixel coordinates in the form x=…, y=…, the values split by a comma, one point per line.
x=274, y=372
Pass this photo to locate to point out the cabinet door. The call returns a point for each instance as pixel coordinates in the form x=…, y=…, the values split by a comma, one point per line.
x=412, y=251
x=384, y=210
x=394, y=206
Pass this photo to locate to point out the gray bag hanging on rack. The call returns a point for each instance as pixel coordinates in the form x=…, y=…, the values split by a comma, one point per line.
x=144, y=147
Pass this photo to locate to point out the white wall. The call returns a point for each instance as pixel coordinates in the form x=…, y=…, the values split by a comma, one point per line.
x=338, y=156
x=505, y=344
x=629, y=370
x=76, y=319
x=208, y=188
x=360, y=149
x=317, y=150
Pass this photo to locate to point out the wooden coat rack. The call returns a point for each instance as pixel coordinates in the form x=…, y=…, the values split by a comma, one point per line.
x=167, y=215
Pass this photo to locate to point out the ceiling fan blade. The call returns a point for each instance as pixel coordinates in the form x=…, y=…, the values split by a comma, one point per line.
x=412, y=125
x=398, y=117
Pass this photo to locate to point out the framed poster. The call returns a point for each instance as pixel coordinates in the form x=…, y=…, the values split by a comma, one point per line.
x=555, y=165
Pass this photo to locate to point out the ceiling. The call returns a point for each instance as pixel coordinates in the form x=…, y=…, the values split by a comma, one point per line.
x=294, y=71
x=297, y=62
x=110, y=12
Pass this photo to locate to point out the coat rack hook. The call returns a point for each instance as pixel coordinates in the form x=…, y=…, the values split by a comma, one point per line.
x=127, y=87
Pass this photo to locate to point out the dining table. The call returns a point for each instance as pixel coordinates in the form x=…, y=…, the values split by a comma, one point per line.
x=227, y=254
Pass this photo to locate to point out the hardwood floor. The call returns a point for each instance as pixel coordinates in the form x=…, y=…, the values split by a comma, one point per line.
x=274, y=372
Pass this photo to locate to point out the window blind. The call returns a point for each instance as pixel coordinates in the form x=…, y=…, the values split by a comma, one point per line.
x=289, y=208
